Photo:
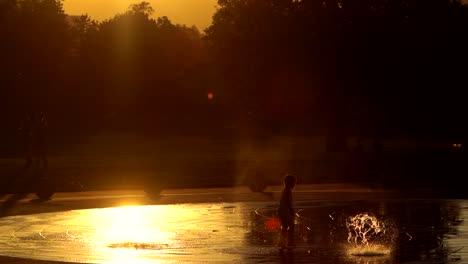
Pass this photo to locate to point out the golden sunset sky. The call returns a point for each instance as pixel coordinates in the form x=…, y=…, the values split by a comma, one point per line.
x=188, y=12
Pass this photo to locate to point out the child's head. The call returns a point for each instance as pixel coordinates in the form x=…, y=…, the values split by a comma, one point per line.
x=289, y=181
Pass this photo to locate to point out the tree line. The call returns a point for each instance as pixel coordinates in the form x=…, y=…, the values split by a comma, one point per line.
x=374, y=68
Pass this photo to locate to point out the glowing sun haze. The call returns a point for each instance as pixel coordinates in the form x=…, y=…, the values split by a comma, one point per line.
x=188, y=12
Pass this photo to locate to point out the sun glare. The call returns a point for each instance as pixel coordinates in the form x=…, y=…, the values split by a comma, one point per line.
x=133, y=224
x=187, y=12
x=127, y=226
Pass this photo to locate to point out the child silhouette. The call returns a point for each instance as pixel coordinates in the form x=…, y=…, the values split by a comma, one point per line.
x=286, y=212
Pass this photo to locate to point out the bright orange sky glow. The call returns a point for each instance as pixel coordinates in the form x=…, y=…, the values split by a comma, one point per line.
x=188, y=12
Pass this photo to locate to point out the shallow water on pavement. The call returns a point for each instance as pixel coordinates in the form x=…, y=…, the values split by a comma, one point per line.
x=409, y=231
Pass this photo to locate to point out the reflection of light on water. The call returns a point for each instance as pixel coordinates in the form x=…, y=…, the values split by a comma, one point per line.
x=128, y=224
x=117, y=235
x=123, y=256
x=121, y=232
x=365, y=234
x=370, y=251
x=131, y=234
x=457, y=239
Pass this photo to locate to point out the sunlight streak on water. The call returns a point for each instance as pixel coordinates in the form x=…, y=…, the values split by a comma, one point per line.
x=424, y=231
x=129, y=234
x=123, y=224
x=456, y=240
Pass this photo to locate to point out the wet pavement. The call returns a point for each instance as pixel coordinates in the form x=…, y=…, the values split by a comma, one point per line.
x=234, y=225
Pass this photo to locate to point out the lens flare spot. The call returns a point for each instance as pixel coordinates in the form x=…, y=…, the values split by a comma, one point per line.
x=272, y=224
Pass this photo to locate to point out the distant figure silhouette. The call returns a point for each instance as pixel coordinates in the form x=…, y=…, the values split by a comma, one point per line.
x=26, y=132
x=286, y=212
x=39, y=141
x=32, y=130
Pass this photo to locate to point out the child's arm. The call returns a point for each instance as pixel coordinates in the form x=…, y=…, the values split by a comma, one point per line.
x=290, y=204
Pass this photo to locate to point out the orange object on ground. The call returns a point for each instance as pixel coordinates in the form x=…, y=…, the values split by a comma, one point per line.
x=272, y=224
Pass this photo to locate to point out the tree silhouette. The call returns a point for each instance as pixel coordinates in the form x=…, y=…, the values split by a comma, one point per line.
x=35, y=43
x=143, y=8
x=142, y=63
x=365, y=66
x=130, y=68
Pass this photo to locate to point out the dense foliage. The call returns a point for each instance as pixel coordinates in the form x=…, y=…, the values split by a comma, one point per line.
x=316, y=67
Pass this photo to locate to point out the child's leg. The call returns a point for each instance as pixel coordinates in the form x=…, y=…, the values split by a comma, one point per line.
x=283, y=235
x=290, y=234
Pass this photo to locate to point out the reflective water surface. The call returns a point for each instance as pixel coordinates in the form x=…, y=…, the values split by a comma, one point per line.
x=403, y=231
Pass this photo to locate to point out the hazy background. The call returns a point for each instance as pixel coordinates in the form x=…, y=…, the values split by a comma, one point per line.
x=188, y=12
x=295, y=84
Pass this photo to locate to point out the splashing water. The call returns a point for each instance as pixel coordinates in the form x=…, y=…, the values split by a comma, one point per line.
x=362, y=228
x=365, y=233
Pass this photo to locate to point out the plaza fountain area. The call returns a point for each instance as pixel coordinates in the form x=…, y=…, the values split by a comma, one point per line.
x=356, y=231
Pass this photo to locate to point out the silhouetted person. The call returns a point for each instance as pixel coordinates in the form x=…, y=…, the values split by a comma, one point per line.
x=20, y=182
x=26, y=132
x=286, y=212
x=32, y=130
x=39, y=141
